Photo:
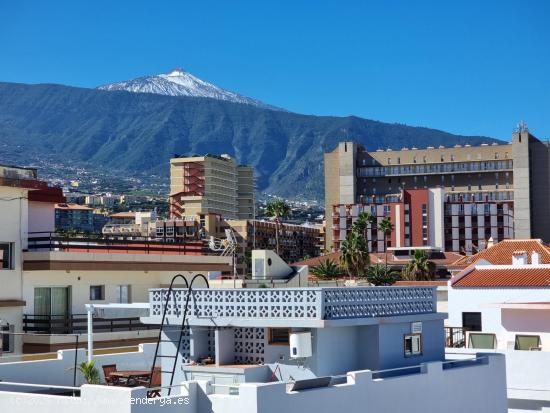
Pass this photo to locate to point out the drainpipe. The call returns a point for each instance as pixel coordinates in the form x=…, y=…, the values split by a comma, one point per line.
x=90, y=311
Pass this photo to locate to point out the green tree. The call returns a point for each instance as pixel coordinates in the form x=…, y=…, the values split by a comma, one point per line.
x=326, y=269
x=89, y=372
x=378, y=275
x=277, y=210
x=419, y=268
x=386, y=227
x=354, y=250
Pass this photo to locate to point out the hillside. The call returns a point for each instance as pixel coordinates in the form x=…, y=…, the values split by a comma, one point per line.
x=126, y=132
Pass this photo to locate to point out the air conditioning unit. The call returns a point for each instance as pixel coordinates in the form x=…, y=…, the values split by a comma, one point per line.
x=300, y=345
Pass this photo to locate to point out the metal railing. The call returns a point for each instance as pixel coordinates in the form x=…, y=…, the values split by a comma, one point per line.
x=455, y=337
x=51, y=241
x=77, y=323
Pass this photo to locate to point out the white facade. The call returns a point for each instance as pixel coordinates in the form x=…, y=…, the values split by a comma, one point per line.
x=13, y=236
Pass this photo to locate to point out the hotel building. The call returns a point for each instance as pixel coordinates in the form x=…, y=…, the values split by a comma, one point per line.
x=201, y=185
x=453, y=198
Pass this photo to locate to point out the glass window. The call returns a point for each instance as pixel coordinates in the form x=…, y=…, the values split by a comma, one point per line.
x=413, y=345
x=525, y=342
x=6, y=255
x=471, y=321
x=482, y=341
x=6, y=340
x=123, y=294
x=97, y=292
x=279, y=336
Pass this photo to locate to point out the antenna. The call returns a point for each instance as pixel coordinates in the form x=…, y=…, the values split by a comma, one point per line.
x=521, y=127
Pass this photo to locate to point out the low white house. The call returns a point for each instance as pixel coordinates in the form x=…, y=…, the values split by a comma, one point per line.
x=501, y=303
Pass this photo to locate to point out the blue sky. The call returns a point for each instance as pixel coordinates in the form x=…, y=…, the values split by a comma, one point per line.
x=470, y=67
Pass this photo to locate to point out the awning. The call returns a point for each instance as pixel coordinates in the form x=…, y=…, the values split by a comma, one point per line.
x=120, y=310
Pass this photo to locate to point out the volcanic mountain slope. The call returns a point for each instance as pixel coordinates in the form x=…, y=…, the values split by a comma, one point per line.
x=127, y=132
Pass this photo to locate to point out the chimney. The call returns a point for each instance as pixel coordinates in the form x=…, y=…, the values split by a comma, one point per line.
x=535, y=258
x=519, y=258
x=490, y=242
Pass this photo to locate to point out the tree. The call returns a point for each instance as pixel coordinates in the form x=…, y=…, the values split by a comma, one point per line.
x=354, y=250
x=378, y=275
x=420, y=268
x=277, y=210
x=386, y=227
x=326, y=269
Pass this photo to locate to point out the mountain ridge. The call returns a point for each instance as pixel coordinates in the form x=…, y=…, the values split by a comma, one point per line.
x=178, y=82
x=129, y=132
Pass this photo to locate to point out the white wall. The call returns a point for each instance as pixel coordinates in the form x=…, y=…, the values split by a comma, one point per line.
x=41, y=217
x=475, y=388
x=487, y=300
x=479, y=388
x=80, y=282
x=13, y=224
x=528, y=385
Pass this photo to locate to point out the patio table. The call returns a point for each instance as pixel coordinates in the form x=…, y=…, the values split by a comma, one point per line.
x=129, y=378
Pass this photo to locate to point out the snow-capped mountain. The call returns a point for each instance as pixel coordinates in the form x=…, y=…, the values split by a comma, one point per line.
x=181, y=83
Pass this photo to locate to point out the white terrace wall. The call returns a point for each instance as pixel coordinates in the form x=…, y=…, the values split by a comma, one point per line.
x=59, y=371
x=94, y=399
x=476, y=388
x=527, y=377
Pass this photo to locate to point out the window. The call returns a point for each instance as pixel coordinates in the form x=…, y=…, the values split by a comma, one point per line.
x=482, y=341
x=279, y=336
x=52, y=301
x=6, y=340
x=471, y=321
x=97, y=292
x=413, y=345
x=123, y=294
x=6, y=255
x=525, y=342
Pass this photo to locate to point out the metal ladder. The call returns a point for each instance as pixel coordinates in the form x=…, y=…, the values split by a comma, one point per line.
x=181, y=327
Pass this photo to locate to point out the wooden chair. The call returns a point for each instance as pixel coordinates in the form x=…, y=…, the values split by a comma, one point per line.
x=156, y=381
x=107, y=370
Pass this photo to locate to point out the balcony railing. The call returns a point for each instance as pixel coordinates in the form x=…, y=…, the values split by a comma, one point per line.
x=77, y=323
x=455, y=337
x=300, y=303
x=115, y=244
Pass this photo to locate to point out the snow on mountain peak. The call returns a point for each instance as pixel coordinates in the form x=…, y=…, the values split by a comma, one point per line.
x=178, y=82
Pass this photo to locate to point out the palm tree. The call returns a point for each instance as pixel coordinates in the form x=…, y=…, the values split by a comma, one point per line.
x=277, y=210
x=89, y=372
x=378, y=275
x=420, y=268
x=386, y=227
x=354, y=250
x=326, y=269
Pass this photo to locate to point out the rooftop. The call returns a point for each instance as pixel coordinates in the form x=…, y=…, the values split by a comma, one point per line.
x=501, y=253
x=72, y=207
x=481, y=276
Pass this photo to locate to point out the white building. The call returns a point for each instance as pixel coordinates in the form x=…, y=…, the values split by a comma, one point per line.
x=358, y=350
x=501, y=303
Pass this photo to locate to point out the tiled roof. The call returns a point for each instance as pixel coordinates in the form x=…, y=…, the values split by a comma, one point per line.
x=491, y=277
x=501, y=253
x=311, y=262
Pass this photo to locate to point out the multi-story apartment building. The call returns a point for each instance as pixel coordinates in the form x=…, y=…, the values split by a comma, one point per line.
x=295, y=241
x=498, y=190
x=74, y=217
x=211, y=184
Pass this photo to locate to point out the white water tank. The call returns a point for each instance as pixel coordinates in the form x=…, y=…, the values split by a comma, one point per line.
x=300, y=345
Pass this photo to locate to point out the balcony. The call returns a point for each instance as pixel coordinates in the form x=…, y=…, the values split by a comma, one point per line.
x=49, y=241
x=77, y=323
